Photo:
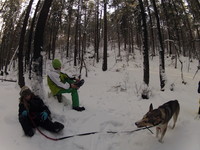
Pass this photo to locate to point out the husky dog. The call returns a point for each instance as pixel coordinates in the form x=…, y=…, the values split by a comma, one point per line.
x=160, y=117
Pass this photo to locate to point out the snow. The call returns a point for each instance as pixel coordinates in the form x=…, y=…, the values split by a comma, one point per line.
x=112, y=101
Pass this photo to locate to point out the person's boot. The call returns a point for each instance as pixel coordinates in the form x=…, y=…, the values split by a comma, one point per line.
x=79, y=83
x=79, y=108
x=59, y=97
x=58, y=127
x=30, y=133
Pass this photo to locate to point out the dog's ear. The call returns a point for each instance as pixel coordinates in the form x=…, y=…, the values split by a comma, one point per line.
x=151, y=107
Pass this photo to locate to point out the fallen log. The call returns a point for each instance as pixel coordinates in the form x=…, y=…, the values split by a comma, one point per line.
x=8, y=80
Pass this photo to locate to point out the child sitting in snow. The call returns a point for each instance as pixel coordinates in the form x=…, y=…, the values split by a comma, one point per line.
x=33, y=112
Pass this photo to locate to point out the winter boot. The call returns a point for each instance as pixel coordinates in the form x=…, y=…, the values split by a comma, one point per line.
x=79, y=108
x=29, y=133
x=59, y=97
x=58, y=127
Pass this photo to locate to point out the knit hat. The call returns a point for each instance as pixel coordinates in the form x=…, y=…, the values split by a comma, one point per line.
x=56, y=63
x=25, y=91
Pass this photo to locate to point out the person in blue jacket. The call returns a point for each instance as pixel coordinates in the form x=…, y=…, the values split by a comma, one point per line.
x=33, y=113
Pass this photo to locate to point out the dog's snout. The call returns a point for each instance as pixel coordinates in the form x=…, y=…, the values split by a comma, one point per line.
x=138, y=124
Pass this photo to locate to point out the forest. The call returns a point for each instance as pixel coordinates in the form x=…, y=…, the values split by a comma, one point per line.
x=131, y=55
x=33, y=30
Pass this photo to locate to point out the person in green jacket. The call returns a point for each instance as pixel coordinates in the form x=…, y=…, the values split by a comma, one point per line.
x=60, y=83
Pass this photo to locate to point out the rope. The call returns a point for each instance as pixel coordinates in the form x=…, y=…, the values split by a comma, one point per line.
x=87, y=133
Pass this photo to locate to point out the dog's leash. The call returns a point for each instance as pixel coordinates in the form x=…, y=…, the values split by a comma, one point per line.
x=87, y=133
x=90, y=133
x=131, y=131
x=149, y=129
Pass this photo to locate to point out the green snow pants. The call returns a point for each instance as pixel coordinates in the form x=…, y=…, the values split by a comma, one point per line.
x=74, y=94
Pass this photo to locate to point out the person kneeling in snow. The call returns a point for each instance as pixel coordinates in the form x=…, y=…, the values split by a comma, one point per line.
x=59, y=83
x=33, y=112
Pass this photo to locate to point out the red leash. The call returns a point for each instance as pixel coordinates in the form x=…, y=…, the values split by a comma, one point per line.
x=50, y=138
x=57, y=139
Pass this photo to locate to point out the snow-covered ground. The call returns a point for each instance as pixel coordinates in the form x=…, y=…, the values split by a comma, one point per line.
x=112, y=103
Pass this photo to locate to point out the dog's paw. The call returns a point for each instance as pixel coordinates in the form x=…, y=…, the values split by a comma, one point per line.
x=197, y=117
x=161, y=141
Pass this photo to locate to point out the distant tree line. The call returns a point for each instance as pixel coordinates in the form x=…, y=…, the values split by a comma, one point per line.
x=155, y=27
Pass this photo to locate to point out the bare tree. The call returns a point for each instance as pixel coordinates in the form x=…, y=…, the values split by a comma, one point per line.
x=104, y=66
x=76, y=34
x=96, y=36
x=161, y=51
x=21, y=81
x=145, y=51
x=69, y=26
x=28, y=62
x=38, y=48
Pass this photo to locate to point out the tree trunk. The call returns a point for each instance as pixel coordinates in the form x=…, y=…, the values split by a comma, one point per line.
x=168, y=26
x=76, y=35
x=145, y=50
x=161, y=51
x=38, y=47
x=176, y=27
x=198, y=3
x=96, y=44
x=21, y=81
x=151, y=29
x=28, y=62
x=118, y=39
x=191, y=40
x=69, y=27
x=104, y=67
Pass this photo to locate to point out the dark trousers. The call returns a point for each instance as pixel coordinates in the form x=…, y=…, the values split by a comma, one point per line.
x=28, y=125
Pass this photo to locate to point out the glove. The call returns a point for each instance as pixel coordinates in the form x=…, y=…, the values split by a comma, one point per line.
x=44, y=115
x=24, y=113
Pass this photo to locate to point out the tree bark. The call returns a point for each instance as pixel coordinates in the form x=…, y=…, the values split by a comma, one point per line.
x=104, y=67
x=38, y=48
x=151, y=29
x=76, y=35
x=69, y=27
x=161, y=51
x=28, y=62
x=145, y=94
x=96, y=44
x=21, y=81
x=145, y=45
x=168, y=26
